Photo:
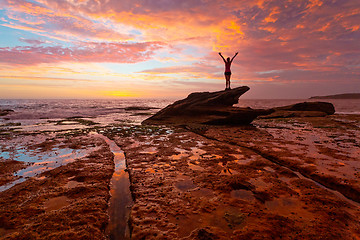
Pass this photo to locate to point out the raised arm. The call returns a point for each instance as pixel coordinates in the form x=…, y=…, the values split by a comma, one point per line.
x=222, y=57
x=234, y=56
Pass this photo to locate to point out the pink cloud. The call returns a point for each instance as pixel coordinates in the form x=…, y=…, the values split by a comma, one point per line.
x=57, y=22
x=87, y=52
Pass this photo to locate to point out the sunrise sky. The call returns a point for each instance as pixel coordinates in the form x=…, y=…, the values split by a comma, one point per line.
x=169, y=48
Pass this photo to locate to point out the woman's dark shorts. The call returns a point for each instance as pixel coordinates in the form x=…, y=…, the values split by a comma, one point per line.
x=227, y=73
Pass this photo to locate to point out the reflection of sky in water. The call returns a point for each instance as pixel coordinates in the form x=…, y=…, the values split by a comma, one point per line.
x=333, y=152
x=40, y=161
x=121, y=201
x=119, y=156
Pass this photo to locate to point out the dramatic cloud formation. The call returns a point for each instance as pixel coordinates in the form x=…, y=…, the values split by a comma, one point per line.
x=171, y=46
x=86, y=52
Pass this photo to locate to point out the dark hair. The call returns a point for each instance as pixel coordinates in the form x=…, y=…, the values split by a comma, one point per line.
x=228, y=59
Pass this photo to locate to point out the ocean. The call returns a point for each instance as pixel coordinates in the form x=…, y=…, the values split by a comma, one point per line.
x=39, y=112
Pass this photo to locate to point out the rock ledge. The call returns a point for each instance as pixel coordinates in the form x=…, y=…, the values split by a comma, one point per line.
x=216, y=108
x=208, y=108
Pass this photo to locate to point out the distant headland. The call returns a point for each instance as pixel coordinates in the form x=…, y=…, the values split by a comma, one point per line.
x=339, y=96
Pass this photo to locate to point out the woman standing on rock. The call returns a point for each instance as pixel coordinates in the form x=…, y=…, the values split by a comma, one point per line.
x=227, y=69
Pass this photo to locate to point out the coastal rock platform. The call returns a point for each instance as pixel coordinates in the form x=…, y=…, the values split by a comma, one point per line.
x=276, y=178
x=214, y=108
x=290, y=178
x=304, y=109
x=66, y=199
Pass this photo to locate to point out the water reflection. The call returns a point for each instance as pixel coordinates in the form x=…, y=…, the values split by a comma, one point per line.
x=121, y=201
x=40, y=162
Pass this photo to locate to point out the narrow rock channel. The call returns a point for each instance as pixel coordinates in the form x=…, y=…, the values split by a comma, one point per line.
x=121, y=201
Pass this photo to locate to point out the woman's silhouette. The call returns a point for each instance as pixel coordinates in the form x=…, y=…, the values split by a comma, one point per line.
x=227, y=69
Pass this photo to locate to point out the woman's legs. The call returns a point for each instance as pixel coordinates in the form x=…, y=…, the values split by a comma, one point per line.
x=227, y=77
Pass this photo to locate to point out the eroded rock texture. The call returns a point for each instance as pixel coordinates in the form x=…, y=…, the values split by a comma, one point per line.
x=208, y=108
x=304, y=109
x=216, y=108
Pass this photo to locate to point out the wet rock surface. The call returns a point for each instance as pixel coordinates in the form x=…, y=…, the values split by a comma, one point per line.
x=208, y=107
x=323, y=149
x=58, y=201
x=7, y=168
x=281, y=178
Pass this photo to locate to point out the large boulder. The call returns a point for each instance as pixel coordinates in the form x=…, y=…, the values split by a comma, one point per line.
x=325, y=107
x=208, y=108
x=216, y=108
x=304, y=109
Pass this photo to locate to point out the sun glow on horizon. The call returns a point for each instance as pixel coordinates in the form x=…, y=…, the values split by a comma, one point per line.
x=126, y=94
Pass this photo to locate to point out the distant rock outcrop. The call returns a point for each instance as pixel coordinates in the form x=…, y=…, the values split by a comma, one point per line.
x=208, y=108
x=325, y=107
x=5, y=112
x=139, y=108
x=305, y=109
x=339, y=96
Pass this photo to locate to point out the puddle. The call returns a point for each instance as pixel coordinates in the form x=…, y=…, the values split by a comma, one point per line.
x=259, y=184
x=242, y=194
x=286, y=180
x=69, y=122
x=120, y=201
x=325, y=148
x=246, y=160
x=56, y=203
x=41, y=161
x=287, y=206
x=185, y=184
